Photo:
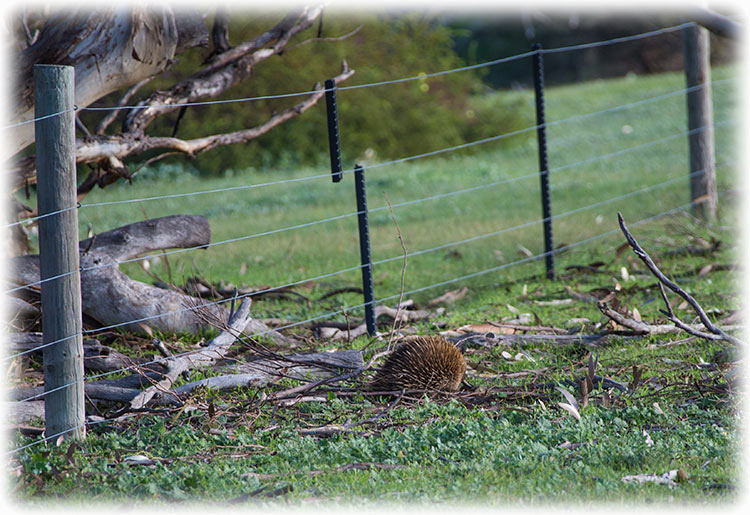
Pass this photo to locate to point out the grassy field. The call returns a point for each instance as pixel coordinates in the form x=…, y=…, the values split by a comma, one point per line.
x=594, y=159
x=510, y=448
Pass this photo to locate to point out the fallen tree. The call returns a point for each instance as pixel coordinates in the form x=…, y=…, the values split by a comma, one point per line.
x=113, y=299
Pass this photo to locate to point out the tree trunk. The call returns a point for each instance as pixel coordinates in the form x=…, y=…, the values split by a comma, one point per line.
x=109, y=49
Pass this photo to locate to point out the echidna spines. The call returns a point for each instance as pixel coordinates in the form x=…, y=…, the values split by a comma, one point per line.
x=422, y=363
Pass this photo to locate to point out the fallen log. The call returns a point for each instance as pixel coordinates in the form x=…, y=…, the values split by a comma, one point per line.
x=115, y=300
x=96, y=357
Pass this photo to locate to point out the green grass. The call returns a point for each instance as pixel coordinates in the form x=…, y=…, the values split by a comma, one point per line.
x=324, y=248
x=228, y=447
x=501, y=453
x=443, y=452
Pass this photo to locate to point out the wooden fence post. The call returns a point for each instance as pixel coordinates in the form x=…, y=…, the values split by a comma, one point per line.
x=58, y=251
x=696, y=46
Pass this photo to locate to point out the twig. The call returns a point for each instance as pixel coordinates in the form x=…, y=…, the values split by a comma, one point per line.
x=403, y=273
x=339, y=38
x=112, y=115
x=638, y=250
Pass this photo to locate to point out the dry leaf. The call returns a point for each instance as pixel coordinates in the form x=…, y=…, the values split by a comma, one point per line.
x=636, y=315
x=624, y=273
x=506, y=355
x=663, y=479
x=138, y=459
x=570, y=445
x=619, y=250
x=486, y=328
x=658, y=409
x=568, y=396
x=450, y=296
x=636, y=378
x=524, y=251
x=592, y=364
x=146, y=329
x=585, y=391
x=555, y=302
x=703, y=271
x=512, y=309
x=683, y=305
x=570, y=409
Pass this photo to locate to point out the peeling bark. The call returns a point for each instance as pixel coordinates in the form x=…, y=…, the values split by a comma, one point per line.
x=109, y=49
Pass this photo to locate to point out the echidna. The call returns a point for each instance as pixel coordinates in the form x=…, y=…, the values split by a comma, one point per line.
x=421, y=363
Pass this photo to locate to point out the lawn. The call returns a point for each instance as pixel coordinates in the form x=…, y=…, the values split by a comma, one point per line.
x=602, y=160
x=506, y=440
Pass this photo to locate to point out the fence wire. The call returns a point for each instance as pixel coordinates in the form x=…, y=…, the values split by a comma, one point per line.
x=576, y=244
x=376, y=84
x=382, y=300
x=385, y=260
x=375, y=166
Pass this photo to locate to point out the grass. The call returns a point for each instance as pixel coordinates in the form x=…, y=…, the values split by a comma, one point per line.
x=230, y=448
x=594, y=160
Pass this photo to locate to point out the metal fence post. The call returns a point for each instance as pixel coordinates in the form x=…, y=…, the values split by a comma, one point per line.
x=364, y=249
x=703, y=193
x=64, y=409
x=334, y=140
x=541, y=133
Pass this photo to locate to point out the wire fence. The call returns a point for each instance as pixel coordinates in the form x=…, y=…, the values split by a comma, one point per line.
x=509, y=179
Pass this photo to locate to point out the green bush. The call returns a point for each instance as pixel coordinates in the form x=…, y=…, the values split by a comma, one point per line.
x=386, y=122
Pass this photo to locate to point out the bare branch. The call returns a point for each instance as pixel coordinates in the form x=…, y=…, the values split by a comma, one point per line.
x=638, y=251
x=112, y=115
x=214, y=351
x=222, y=72
x=121, y=146
x=338, y=38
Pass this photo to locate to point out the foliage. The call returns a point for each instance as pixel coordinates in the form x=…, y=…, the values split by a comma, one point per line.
x=392, y=120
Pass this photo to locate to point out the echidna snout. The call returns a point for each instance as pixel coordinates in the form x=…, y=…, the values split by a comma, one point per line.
x=423, y=363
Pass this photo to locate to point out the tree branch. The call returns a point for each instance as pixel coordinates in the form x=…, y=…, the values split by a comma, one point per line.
x=99, y=148
x=643, y=255
x=222, y=72
x=214, y=351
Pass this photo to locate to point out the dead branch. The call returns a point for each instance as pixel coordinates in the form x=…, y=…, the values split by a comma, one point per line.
x=664, y=280
x=140, y=44
x=215, y=350
x=112, y=298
